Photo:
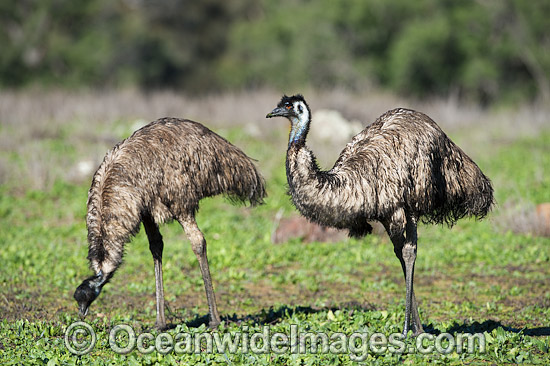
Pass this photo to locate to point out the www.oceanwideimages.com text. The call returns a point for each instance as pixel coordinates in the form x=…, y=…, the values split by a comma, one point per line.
x=81, y=338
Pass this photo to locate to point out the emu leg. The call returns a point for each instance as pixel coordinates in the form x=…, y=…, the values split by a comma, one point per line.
x=395, y=229
x=409, y=258
x=415, y=322
x=156, y=246
x=198, y=244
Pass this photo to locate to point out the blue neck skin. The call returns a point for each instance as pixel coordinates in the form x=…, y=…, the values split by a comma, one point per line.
x=297, y=130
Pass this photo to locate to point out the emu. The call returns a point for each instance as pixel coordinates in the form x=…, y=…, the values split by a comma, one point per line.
x=158, y=174
x=399, y=170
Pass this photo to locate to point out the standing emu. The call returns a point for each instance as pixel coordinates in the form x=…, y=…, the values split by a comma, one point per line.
x=400, y=169
x=158, y=174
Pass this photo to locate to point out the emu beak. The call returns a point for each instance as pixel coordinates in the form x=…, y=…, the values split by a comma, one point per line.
x=82, y=311
x=277, y=112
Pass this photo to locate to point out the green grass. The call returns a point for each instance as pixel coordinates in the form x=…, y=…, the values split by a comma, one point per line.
x=476, y=277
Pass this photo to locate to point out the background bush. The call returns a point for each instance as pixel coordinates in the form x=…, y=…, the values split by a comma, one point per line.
x=480, y=51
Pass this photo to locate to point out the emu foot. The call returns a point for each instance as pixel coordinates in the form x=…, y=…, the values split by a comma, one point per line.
x=213, y=324
x=414, y=332
x=160, y=326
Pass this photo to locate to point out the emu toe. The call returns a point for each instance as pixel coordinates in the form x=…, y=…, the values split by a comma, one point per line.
x=213, y=324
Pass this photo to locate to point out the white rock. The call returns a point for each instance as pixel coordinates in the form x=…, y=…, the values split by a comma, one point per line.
x=331, y=126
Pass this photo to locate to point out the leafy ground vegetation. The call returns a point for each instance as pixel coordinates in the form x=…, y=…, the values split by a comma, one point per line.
x=488, y=277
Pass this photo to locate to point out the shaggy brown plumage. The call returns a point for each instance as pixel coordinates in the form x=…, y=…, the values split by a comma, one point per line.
x=160, y=173
x=400, y=169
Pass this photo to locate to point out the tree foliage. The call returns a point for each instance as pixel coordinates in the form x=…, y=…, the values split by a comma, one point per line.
x=481, y=50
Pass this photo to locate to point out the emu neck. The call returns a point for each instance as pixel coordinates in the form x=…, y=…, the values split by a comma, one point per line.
x=301, y=169
x=300, y=161
x=325, y=197
x=299, y=129
x=310, y=188
x=314, y=192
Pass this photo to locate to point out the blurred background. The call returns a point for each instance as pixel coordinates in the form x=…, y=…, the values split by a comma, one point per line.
x=77, y=77
x=482, y=51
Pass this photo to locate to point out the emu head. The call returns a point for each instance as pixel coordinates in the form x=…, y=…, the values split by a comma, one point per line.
x=298, y=113
x=87, y=292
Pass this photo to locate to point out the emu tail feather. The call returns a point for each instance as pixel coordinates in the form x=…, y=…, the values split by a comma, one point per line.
x=466, y=191
x=248, y=185
x=360, y=230
x=481, y=198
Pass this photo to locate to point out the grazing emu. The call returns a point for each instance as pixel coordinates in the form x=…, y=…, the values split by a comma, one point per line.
x=400, y=169
x=156, y=175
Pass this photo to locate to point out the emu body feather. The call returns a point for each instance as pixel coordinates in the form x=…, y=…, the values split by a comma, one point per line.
x=401, y=169
x=158, y=174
